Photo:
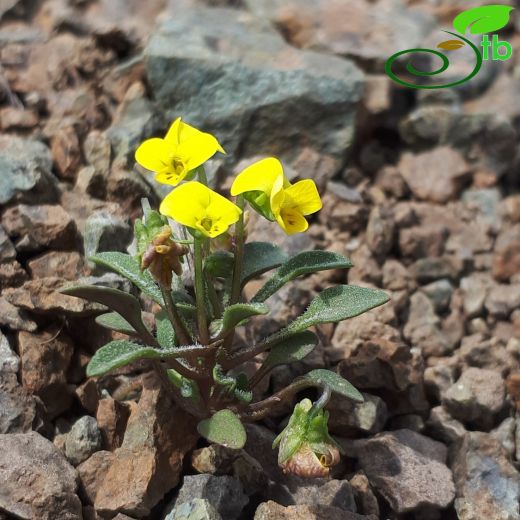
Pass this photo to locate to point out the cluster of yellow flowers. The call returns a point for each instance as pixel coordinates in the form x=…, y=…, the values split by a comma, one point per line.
x=263, y=184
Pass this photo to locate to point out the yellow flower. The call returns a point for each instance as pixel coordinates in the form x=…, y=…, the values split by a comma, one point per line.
x=196, y=206
x=272, y=195
x=183, y=149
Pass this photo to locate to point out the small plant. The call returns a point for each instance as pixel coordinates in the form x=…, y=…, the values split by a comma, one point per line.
x=191, y=345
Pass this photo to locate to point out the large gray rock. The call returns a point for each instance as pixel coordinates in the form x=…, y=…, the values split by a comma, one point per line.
x=488, y=485
x=26, y=171
x=37, y=481
x=408, y=469
x=359, y=30
x=235, y=76
x=196, y=509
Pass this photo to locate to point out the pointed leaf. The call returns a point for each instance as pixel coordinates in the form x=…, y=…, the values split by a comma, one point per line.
x=114, y=321
x=165, y=333
x=117, y=354
x=335, y=382
x=451, y=45
x=120, y=353
x=224, y=428
x=291, y=349
x=260, y=257
x=484, y=19
x=234, y=314
x=128, y=266
x=303, y=263
x=125, y=304
x=336, y=304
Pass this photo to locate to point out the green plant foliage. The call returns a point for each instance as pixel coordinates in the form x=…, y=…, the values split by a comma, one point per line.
x=337, y=304
x=120, y=353
x=165, y=333
x=219, y=264
x=235, y=314
x=125, y=304
x=188, y=388
x=128, y=266
x=335, y=382
x=303, y=263
x=114, y=321
x=260, y=257
x=290, y=349
x=483, y=19
x=224, y=428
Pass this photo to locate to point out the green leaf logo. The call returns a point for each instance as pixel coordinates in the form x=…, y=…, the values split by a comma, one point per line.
x=481, y=20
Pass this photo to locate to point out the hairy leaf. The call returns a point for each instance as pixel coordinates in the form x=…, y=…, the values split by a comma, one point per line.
x=291, y=349
x=128, y=266
x=335, y=382
x=125, y=304
x=234, y=314
x=114, y=321
x=336, y=304
x=224, y=428
x=484, y=19
x=260, y=257
x=303, y=263
x=122, y=352
x=165, y=333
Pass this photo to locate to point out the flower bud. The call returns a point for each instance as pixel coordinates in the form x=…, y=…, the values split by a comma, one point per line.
x=158, y=252
x=306, y=448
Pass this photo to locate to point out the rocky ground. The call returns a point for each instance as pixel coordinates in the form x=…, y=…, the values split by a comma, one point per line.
x=420, y=190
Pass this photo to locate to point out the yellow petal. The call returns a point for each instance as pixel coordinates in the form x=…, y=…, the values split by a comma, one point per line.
x=187, y=204
x=197, y=150
x=277, y=196
x=194, y=205
x=172, y=137
x=170, y=177
x=292, y=221
x=153, y=154
x=303, y=196
x=260, y=176
x=181, y=131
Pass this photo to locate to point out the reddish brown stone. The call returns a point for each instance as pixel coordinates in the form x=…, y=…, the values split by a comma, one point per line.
x=112, y=417
x=45, y=359
x=66, y=152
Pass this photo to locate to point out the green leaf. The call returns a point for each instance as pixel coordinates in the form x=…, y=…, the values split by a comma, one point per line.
x=484, y=19
x=235, y=314
x=128, y=266
x=165, y=333
x=303, y=263
x=114, y=321
x=336, y=304
x=189, y=388
x=260, y=257
x=219, y=264
x=335, y=382
x=125, y=304
x=291, y=349
x=224, y=428
x=119, y=353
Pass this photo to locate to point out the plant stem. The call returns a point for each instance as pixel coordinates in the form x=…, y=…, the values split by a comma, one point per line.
x=261, y=409
x=239, y=253
x=200, y=293
x=178, y=325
